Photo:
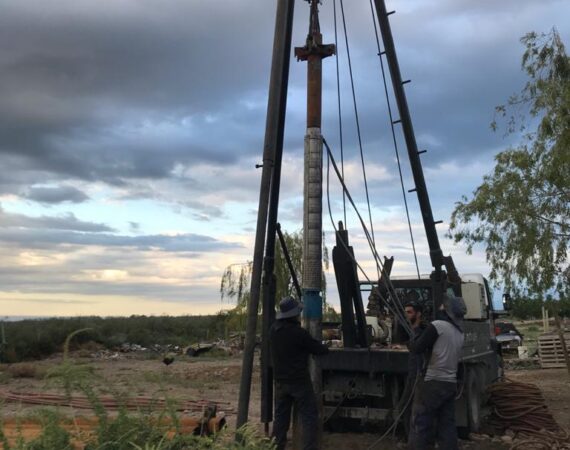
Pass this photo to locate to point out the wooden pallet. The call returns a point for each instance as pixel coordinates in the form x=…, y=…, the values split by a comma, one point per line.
x=550, y=350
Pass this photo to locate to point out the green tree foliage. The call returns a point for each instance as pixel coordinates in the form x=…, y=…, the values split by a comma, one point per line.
x=236, y=280
x=531, y=308
x=521, y=211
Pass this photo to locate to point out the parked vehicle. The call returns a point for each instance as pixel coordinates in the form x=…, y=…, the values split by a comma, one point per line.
x=508, y=336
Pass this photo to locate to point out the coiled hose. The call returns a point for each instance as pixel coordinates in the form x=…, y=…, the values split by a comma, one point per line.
x=521, y=408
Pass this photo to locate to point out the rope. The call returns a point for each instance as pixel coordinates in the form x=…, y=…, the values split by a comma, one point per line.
x=357, y=122
x=394, y=140
x=521, y=408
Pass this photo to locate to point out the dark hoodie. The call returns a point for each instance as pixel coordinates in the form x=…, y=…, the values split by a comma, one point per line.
x=291, y=346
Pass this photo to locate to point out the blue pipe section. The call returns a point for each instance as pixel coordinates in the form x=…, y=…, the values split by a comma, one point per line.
x=313, y=304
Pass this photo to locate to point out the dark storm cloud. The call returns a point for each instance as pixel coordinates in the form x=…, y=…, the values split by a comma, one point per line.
x=117, y=91
x=54, y=195
x=463, y=59
x=120, y=92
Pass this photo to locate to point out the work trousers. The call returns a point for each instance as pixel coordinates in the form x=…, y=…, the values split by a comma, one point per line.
x=303, y=397
x=433, y=410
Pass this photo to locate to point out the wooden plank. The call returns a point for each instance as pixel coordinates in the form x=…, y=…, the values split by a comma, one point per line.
x=552, y=336
x=551, y=352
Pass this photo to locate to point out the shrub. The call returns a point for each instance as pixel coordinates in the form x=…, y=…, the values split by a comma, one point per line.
x=25, y=370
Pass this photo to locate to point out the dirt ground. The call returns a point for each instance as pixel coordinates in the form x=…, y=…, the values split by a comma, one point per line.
x=217, y=379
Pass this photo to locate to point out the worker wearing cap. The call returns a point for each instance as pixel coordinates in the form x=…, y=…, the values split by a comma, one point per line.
x=291, y=346
x=434, y=399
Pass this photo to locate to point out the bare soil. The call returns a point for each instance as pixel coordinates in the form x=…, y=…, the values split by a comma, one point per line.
x=217, y=379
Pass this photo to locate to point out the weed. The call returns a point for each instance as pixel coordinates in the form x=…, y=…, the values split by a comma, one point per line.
x=53, y=436
x=167, y=377
x=126, y=430
x=5, y=377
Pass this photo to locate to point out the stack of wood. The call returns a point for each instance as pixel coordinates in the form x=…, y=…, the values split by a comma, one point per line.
x=551, y=350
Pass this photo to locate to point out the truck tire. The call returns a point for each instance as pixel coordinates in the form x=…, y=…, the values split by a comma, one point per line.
x=473, y=400
x=472, y=394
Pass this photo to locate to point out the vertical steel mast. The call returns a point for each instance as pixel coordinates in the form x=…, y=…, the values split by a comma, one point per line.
x=268, y=194
x=313, y=52
x=439, y=277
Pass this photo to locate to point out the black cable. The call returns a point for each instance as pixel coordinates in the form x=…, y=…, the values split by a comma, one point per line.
x=357, y=122
x=394, y=137
x=339, y=109
x=397, y=418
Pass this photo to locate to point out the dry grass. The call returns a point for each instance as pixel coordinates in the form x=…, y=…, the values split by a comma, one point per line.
x=25, y=370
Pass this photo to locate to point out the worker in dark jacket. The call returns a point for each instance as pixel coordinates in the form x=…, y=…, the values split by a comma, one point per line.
x=291, y=346
x=413, y=311
x=434, y=399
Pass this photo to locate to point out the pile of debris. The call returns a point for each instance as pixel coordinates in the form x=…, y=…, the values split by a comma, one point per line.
x=521, y=364
x=232, y=346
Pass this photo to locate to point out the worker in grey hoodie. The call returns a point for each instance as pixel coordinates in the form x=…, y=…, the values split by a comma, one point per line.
x=434, y=398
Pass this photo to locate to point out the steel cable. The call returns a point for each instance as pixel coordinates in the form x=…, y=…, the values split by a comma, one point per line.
x=339, y=109
x=357, y=121
x=394, y=140
x=396, y=308
x=394, y=305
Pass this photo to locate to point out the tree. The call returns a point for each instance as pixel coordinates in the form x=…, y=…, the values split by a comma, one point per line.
x=236, y=280
x=521, y=211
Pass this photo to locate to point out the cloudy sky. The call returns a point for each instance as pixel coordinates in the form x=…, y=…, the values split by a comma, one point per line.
x=130, y=130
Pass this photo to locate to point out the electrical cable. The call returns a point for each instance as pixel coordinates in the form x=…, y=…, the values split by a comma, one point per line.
x=395, y=423
x=344, y=397
x=394, y=140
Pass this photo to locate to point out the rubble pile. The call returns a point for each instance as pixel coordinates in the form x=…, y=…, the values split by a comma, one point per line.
x=231, y=346
x=521, y=364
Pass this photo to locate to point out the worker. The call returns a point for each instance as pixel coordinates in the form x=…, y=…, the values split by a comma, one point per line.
x=291, y=346
x=434, y=398
x=414, y=314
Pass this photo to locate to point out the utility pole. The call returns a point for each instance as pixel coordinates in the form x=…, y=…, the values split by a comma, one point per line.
x=313, y=52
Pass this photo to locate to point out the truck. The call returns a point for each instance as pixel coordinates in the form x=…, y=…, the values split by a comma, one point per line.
x=364, y=380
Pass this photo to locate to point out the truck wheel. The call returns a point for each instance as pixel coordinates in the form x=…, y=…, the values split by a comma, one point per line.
x=473, y=401
x=472, y=396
